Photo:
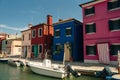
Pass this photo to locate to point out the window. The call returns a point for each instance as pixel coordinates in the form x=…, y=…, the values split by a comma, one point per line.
x=114, y=49
x=40, y=48
x=68, y=32
x=89, y=11
x=40, y=32
x=19, y=49
x=6, y=42
x=33, y=33
x=90, y=28
x=58, y=47
x=112, y=4
x=23, y=37
x=57, y=33
x=33, y=48
x=114, y=24
x=91, y=49
x=29, y=37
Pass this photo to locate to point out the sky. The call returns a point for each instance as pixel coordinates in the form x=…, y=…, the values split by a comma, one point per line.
x=15, y=15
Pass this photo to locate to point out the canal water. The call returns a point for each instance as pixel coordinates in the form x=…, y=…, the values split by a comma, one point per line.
x=8, y=72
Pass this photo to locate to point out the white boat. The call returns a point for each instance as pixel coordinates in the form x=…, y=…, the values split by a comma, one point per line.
x=4, y=60
x=47, y=69
x=14, y=62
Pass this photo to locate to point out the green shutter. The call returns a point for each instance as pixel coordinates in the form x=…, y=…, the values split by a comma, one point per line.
x=36, y=50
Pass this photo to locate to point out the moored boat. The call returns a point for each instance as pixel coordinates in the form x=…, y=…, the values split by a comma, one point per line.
x=14, y=62
x=3, y=60
x=47, y=69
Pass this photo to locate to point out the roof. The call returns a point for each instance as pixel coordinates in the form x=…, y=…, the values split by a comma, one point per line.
x=64, y=21
x=91, y=2
x=39, y=25
x=25, y=30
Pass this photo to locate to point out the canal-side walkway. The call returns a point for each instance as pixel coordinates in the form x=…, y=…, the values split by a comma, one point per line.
x=83, y=68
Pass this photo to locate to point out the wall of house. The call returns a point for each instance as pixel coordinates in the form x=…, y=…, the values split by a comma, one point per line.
x=63, y=39
x=78, y=42
x=26, y=43
x=16, y=47
x=103, y=34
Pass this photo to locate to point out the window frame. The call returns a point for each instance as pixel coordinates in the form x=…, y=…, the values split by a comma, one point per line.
x=59, y=45
x=39, y=32
x=91, y=45
x=23, y=37
x=115, y=44
x=69, y=35
x=89, y=25
x=59, y=33
x=111, y=2
x=32, y=33
x=88, y=9
x=41, y=49
x=111, y=23
x=33, y=48
x=29, y=36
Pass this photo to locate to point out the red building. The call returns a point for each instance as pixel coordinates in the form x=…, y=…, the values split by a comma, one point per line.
x=41, y=38
x=101, y=25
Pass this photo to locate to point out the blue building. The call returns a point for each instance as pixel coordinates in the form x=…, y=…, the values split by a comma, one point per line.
x=68, y=40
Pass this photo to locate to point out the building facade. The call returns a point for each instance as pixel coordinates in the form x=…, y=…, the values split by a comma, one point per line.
x=68, y=40
x=13, y=45
x=2, y=37
x=101, y=26
x=26, y=42
x=41, y=38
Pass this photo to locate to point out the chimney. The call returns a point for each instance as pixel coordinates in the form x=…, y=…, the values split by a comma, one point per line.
x=29, y=25
x=60, y=20
x=49, y=20
x=49, y=23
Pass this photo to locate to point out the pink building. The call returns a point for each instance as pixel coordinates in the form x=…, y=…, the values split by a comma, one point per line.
x=101, y=25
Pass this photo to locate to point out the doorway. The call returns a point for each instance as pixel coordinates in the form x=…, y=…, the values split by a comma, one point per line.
x=103, y=52
x=67, y=52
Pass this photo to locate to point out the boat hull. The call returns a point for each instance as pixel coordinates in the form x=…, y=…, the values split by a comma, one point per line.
x=48, y=72
x=14, y=63
x=2, y=60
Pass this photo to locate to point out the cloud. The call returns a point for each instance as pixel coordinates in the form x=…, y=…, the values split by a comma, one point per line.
x=12, y=28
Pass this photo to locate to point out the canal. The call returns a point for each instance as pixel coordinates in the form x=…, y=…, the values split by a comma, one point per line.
x=8, y=72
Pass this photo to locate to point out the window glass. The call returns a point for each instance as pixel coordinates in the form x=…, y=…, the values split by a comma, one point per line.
x=91, y=50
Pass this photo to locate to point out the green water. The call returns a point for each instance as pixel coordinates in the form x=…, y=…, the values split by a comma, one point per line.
x=8, y=72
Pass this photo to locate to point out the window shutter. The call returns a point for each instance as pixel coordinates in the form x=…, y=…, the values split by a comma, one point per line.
x=86, y=11
x=109, y=5
x=118, y=3
x=94, y=27
x=93, y=10
x=86, y=28
x=110, y=25
x=119, y=22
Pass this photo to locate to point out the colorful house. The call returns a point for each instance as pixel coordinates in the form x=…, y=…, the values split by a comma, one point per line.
x=13, y=45
x=101, y=26
x=41, y=39
x=68, y=40
x=26, y=42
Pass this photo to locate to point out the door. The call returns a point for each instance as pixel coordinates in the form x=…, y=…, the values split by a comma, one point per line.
x=35, y=50
x=103, y=52
x=66, y=52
